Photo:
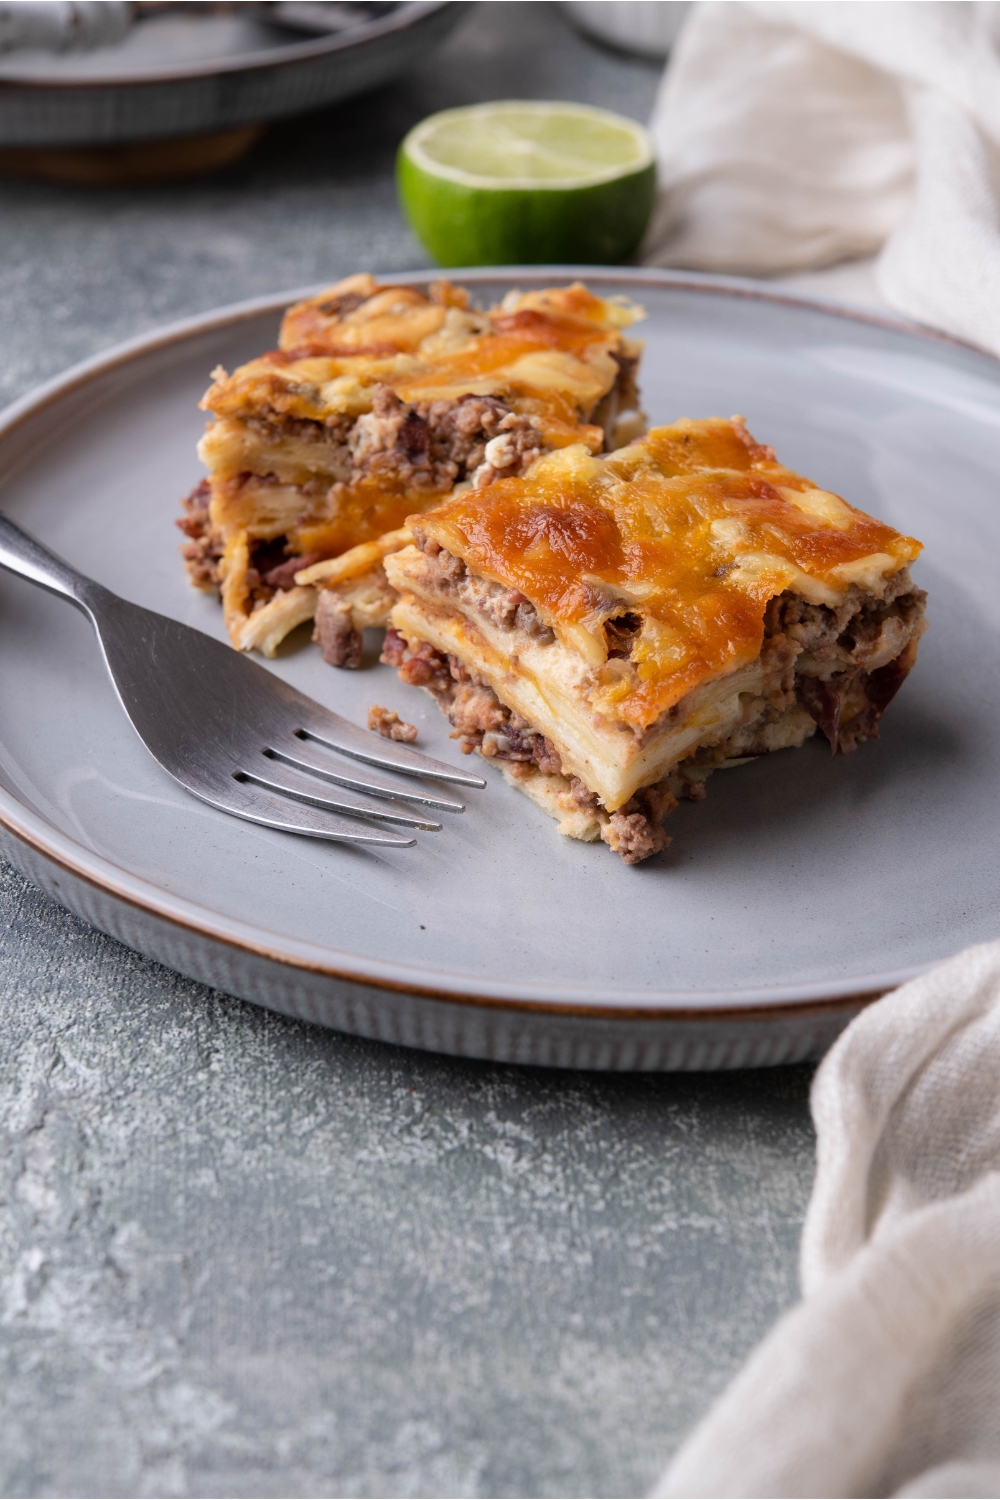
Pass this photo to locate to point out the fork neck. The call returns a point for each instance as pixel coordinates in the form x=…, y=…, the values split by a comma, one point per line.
x=23, y=555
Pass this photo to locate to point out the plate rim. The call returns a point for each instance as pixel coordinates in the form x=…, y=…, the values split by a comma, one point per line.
x=410, y=13
x=768, y=1002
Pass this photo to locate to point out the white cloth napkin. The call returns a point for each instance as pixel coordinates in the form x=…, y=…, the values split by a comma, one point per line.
x=885, y=1379
x=793, y=135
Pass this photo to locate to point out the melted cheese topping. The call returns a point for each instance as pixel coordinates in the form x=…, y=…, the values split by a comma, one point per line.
x=548, y=353
x=692, y=530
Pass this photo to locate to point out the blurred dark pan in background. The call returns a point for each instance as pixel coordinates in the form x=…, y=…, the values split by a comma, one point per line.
x=111, y=93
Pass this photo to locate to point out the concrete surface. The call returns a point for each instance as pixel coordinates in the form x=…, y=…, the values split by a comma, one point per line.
x=239, y=1256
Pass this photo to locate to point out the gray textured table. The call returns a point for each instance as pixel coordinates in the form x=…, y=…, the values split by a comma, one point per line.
x=239, y=1256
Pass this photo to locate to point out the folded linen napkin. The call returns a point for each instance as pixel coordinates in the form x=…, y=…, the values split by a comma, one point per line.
x=885, y=1379
x=793, y=136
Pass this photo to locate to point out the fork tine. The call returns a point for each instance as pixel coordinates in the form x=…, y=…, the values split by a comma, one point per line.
x=257, y=805
x=285, y=781
x=301, y=756
x=339, y=734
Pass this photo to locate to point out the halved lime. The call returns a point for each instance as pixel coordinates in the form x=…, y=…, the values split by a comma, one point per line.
x=522, y=182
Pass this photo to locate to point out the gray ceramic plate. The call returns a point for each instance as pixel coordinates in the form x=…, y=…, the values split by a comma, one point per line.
x=799, y=887
x=176, y=75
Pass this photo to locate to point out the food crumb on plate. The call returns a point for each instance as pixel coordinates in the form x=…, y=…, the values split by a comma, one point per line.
x=387, y=723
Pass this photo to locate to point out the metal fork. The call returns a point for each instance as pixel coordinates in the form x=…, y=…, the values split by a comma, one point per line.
x=234, y=734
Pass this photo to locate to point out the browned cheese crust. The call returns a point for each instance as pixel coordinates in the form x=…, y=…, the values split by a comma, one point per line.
x=612, y=631
x=378, y=402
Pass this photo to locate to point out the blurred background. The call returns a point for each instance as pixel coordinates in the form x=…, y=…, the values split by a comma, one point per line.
x=312, y=198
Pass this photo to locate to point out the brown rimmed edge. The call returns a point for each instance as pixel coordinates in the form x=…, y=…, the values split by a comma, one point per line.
x=780, y=1010
x=80, y=375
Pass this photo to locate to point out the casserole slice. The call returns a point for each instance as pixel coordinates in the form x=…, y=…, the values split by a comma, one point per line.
x=378, y=402
x=613, y=629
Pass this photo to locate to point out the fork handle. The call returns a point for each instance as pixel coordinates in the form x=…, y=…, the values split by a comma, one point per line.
x=22, y=554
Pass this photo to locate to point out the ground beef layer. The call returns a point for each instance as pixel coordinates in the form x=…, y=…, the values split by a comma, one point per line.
x=433, y=445
x=421, y=449
x=835, y=669
x=203, y=548
x=481, y=722
x=848, y=663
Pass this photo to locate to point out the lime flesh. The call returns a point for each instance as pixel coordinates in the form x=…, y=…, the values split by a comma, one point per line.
x=523, y=183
